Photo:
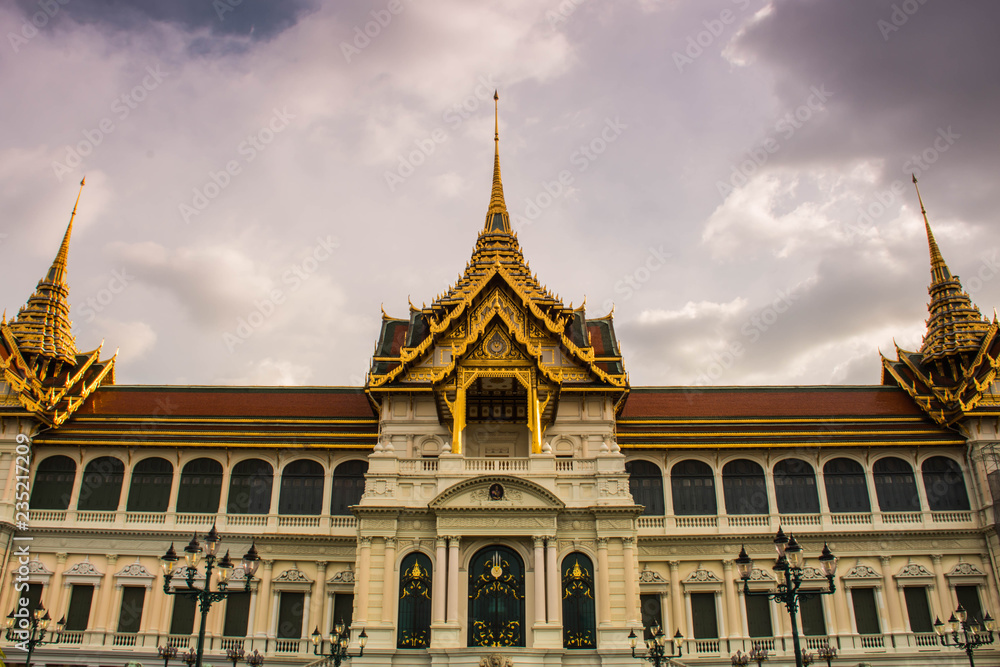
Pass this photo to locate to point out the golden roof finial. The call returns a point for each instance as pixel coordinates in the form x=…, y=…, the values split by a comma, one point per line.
x=497, y=219
x=57, y=272
x=939, y=270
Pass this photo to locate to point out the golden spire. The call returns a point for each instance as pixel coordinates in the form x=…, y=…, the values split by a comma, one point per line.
x=42, y=326
x=955, y=326
x=497, y=219
x=939, y=270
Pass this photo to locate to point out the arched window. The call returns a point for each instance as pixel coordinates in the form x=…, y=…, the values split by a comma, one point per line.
x=201, y=486
x=579, y=617
x=795, y=487
x=250, y=487
x=645, y=482
x=496, y=598
x=944, y=485
x=348, y=486
x=415, y=582
x=301, y=488
x=149, y=490
x=101, y=488
x=846, y=489
x=53, y=484
x=693, y=487
x=895, y=486
x=744, y=487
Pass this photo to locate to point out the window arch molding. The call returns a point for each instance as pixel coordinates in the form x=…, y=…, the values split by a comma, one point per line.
x=845, y=480
x=101, y=484
x=645, y=483
x=744, y=486
x=54, y=491
x=151, y=491
x=200, y=486
x=251, y=486
x=895, y=482
x=945, y=483
x=347, y=485
x=795, y=486
x=693, y=488
x=302, y=482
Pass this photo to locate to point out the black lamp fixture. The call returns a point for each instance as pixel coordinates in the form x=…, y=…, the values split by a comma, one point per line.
x=656, y=646
x=29, y=629
x=789, y=566
x=166, y=653
x=339, y=640
x=966, y=633
x=826, y=652
x=205, y=596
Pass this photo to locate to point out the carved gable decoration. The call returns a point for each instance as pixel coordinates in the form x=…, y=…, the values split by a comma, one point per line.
x=648, y=576
x=497, y=492
x=83, y=569
x=36, y=571
x=860, y=571
x=136, y=574
x=292, y=576
x=496, y=346
x=702, y=576
x=342, y=577
x=914, y=571
x=758, y=574
x=812, y=573
x=966, y=570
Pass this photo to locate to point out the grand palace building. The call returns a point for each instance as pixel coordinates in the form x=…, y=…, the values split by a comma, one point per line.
x=497, y=486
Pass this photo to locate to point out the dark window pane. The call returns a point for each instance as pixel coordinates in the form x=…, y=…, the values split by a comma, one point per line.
x=53, y=483
x=343, y=609
x=237, y=615
x=645, y=483
x=578, y=612
x=944, y=485
x=182, y=621
x=895, y=486
x=80, y=600
x=846, y=488
x=348, y=486
x=795, y=487
x=201, y=486
x=130, y=615
x=290, y=610
x=101, y=488
x=918, y=609
x=415, y=586
x=968, y=597
x=693, y=487
x=496, y=598
x=812, y=616
x=149, y=490
x=250, y=487
x=33, y=595
x=759, y=616
x=744, y=488
x=865, y=611
x=652, y=613
x=703, y=618
x=301, y=488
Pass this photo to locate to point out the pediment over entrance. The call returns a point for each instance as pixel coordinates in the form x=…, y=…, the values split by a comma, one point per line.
x=497, y=492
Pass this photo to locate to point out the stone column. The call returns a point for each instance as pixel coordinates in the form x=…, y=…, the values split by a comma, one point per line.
x=676, y=594
x=946, y=607
x=319, y=594
x=440, y=579
x=307, y=614
x=105, y=612
x=603, y=582
x=631, y=579
x=732, y=610
x=843, y=612
x=389, y=581
x=552, y=580
x=540, y=580
x=54, y=598
x=453, y=579
x=261, y=624
x=891, y=598
x=363, y=576
x=227, y=472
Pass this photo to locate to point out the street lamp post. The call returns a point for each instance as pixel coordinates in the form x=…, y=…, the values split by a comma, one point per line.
x=234, y=654
x=758, y=654
x=339, y=640
x=206, y=596
x=655, y=647
x=28, y=629
x=255, y=659
x=789, y=564
x=827, y=652
x=166, y=652
x=971, y=636
x=741, y=659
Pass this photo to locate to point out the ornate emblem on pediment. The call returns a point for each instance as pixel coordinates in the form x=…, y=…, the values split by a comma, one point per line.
x=702, y=575
x=496, y=346
x=965, y=570
x=83, y=569
x=758, y=574
x=293, y=576
x=36, y=567
x=914, y=570
x=137, y=570
x=862, y=572
x=342, y=577
x=648, y=576
x=495, y=495
x=812, y=573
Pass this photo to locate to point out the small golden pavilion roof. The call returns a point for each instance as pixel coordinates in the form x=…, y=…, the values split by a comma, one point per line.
x=955, y=325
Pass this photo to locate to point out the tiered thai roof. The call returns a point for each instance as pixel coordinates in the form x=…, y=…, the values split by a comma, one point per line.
x=45, y=374
x=952, y=373
x=497, y=263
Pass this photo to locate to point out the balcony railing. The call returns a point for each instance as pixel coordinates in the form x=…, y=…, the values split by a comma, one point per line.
x=292, y=524
x=802, y=523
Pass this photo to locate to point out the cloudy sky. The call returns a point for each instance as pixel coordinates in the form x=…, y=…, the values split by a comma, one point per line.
x=732, y=175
